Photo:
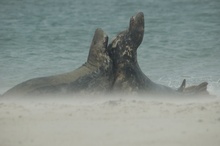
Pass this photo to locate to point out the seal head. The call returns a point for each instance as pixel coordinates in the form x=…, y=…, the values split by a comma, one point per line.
x=97, y=53
x=124, y=47
x=123, y=52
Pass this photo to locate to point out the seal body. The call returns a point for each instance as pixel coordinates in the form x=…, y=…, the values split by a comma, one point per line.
x=96, y=82
x=53, y=84
x=128, y=76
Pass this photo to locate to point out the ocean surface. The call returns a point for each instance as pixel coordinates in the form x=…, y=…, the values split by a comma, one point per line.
x=47, y=37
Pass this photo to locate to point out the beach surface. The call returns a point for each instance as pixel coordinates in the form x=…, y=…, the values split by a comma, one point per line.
x=110, y=121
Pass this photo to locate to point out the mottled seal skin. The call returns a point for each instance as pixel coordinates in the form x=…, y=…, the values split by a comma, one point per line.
x=128, y=76
x=51, y=84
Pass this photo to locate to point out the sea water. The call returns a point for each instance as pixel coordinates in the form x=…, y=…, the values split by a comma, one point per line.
x=47, y=37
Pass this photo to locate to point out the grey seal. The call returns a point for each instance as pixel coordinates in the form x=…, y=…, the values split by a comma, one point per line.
x=128, y=77
x=123, y=51
x=97, y=82
x=51, y=84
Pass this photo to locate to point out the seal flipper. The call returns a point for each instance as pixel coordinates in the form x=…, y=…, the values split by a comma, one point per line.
x=197, y=89
x=202, y=87
x=182, y=87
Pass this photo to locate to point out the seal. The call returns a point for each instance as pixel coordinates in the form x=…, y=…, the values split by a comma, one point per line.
x=51, y=84
x=96, y=82
x=128, y=77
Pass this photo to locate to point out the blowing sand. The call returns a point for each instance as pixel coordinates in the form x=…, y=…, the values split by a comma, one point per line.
x=109, y=121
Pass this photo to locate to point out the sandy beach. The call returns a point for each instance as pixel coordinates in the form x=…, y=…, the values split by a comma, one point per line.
x=110, y=121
